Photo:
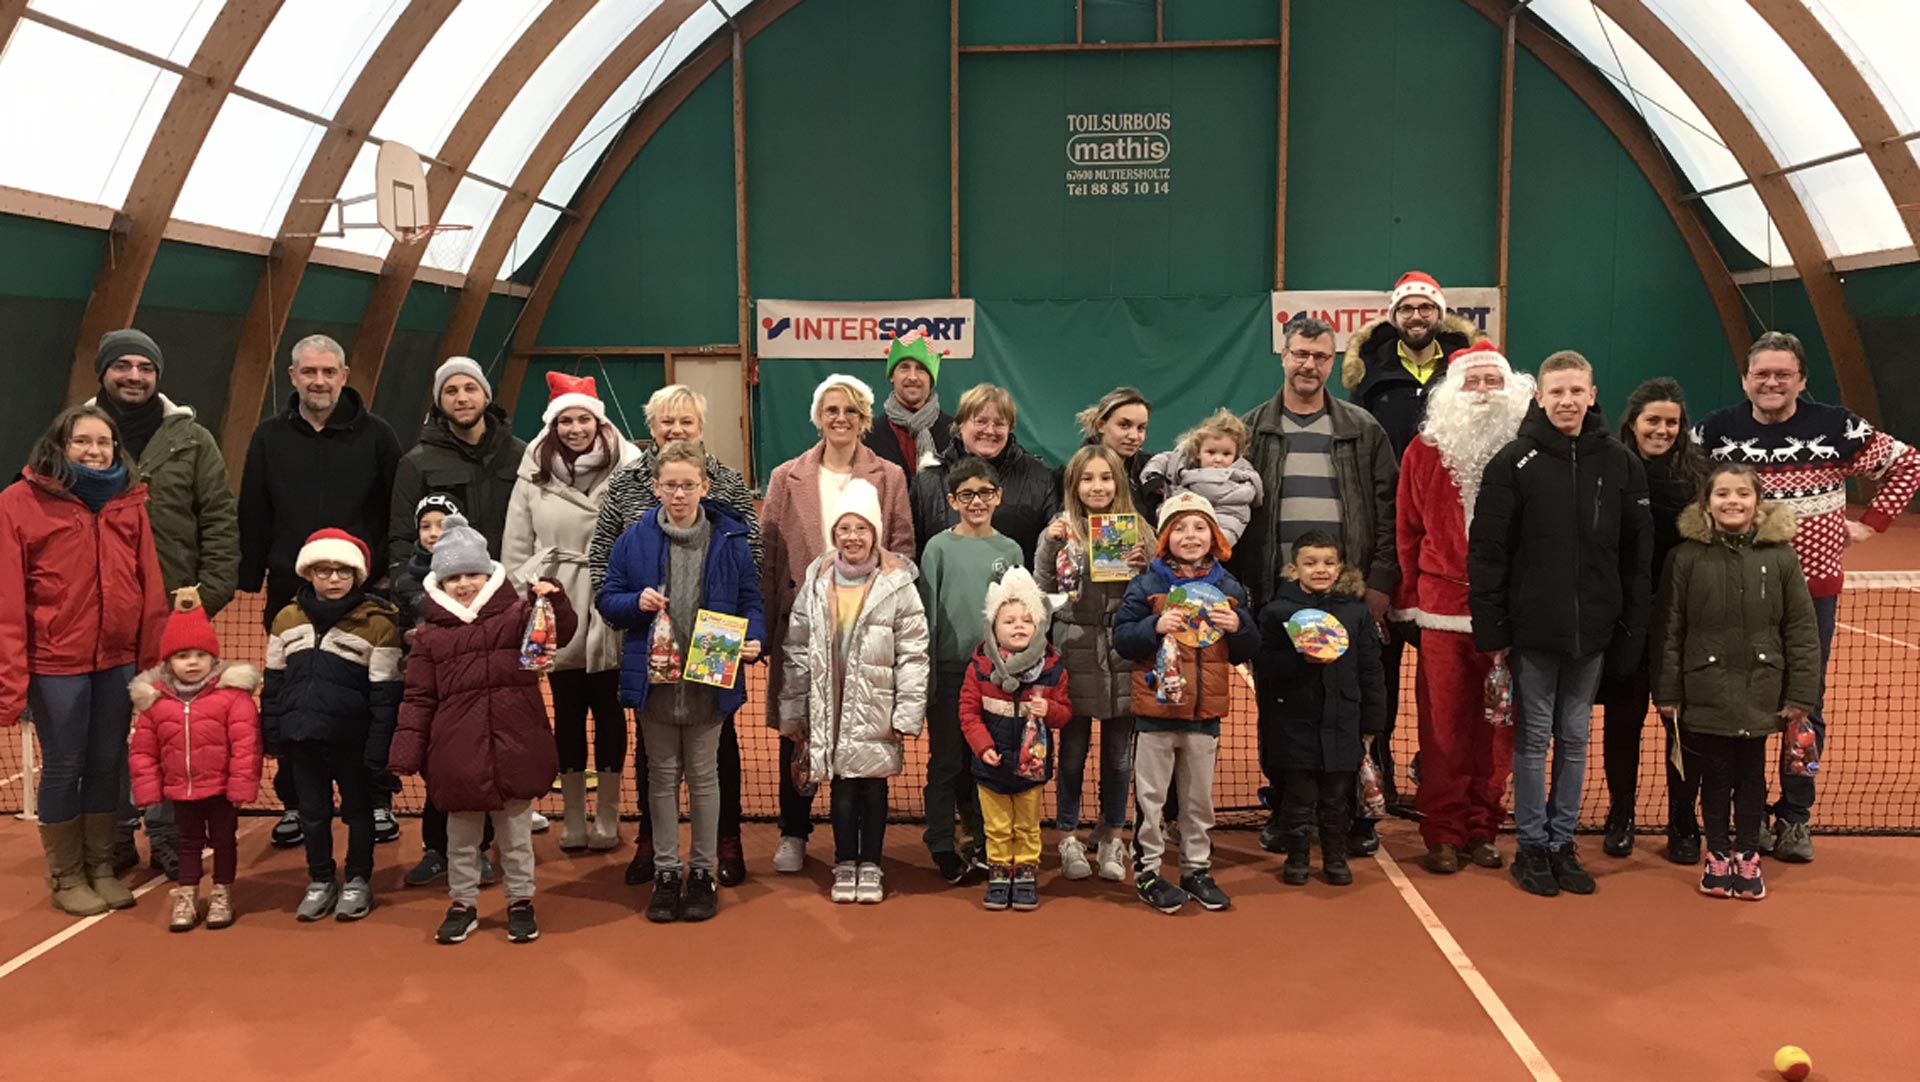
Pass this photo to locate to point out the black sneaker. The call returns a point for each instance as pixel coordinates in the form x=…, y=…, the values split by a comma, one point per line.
x=521, y=927
x=288, y=832
x=667, y=905
x=1567, y=871
x=1362, y=839
x=1201, y=888
x=385, y=827
x=432, y=866
x=1026, y=888
x=1534, y=872
x=1618, y=841
x=460, y=922
x=1716, y=880
x=164, y=857
x=1748, y=885
x=640, y=868
x=1683, y=848
x=999, y=887
x=1273, y=837
x=700, y=904
x=952, y=867
x=1160, y=894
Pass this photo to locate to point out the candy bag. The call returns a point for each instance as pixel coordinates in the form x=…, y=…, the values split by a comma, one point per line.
x=1035, y=746
x=1066, y=569
x=663, y=658
x=1372, y=798
x=1168, y=685
x=801, y=769
x=538, y=645
x=1499, y=695
x=1800, y=750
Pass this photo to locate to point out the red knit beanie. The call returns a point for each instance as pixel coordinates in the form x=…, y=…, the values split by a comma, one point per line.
x=188, y=627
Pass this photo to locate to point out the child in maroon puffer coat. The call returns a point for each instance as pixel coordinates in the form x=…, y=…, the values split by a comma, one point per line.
x=473, y=722
x=196, y=742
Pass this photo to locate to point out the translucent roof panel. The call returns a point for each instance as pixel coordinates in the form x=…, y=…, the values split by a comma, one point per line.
x=449, y=71
x=1880, y=36
x=1850, y=207
x=313, y=51
x=169, y=28
x=94, y=112
x=247, y=169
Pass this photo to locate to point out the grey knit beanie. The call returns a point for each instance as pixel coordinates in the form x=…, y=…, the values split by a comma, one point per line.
x=117, y=344
x=461, y=550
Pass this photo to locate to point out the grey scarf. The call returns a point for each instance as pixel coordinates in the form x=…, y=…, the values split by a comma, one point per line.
x=919, y=422
x=1021, y=668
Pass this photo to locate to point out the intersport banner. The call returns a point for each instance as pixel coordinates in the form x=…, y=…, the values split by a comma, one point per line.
x=860, y=330
x=1350, y=309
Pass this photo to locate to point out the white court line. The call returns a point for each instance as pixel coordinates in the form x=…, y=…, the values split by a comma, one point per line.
x=1469, y=974
x=1875, y=635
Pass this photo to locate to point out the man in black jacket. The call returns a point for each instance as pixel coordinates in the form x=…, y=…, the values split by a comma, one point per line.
x=912, y=430
x=323, y=462
x=1392, y=362
x=467, y=450
x=1558, y=558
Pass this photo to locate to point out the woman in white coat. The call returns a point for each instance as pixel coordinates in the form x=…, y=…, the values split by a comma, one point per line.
x=550, y=522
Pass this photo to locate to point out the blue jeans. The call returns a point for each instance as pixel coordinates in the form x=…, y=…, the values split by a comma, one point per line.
x=1553, y=700
x=83, y=723
x=1796, y=791
x=1116, y=773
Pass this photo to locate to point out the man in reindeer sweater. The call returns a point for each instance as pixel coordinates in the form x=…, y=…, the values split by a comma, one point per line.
x=1474, y=411
x=1804, y=452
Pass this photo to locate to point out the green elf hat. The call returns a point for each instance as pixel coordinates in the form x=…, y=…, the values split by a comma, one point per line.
x=914, y=346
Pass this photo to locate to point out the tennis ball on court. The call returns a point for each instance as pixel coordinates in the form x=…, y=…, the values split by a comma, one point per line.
x=1792, y=1062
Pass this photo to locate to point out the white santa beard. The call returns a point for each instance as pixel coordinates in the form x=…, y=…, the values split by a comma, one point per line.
x=1468, y=428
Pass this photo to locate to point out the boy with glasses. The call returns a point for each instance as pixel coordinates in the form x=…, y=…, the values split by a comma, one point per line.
x=959, y=564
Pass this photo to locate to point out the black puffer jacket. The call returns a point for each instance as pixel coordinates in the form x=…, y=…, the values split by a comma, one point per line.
x=1561, y=545
x=1377, y=381
x=338, y=686
x=1314, y=713
x=480, y=478
x=1672, y=484
x=1029, y=497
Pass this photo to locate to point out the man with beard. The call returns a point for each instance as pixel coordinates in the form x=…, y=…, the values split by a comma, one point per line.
x=1326, y=465
x=1474, y=411
x=467, y=450
x=196, y=529
x=913, y=429
x=323, y=462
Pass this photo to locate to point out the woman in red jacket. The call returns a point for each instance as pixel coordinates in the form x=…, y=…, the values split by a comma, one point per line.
x=81, y=601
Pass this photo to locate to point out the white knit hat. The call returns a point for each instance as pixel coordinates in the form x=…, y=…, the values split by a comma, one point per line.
x=1018, y=585
x=857, y=390
x=460, y=366
x=862, y=499
x=1417, y=284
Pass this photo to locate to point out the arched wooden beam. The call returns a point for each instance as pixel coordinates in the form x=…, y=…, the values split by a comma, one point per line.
x=163, y=172
x=497, y=243
x=1865, y=113
x=286, y=265
x=1757, y=160
x=455, y=156
x=1631, y=132
x=10, y=12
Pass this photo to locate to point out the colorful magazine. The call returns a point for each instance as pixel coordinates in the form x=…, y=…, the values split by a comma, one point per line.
x=1111, y=538
x=713, y=653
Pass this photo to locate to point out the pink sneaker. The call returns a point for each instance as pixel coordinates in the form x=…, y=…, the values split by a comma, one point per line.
x=1717, y=880
x=1747, y=884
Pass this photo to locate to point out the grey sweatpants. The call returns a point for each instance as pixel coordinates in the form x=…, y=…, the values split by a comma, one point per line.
x=692, y=751
x=512, y=829
x=1159, y=758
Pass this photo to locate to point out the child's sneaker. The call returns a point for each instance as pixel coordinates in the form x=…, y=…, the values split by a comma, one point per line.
x=356, y=900
x=999, y=887
x=872, y=885
x=288, y=832
x=521, y=927
x=1113, y=860
x=1717, y=880
x=318, y=902
x=385, y=827
x=1026, y=888
x=952, y=867
x=666, y=906
x=432, y=866
x=702, y=901
x=846, y=882
x=539, y=824
x=789, y=854
x=220, y=907
x=186, y=909
x=1160, y=894
x=458, y=924
x=1747, y=884
x=1201, y=888
x=1073, y=858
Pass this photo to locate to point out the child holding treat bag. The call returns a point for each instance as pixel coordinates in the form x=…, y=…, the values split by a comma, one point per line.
x=1323, y=696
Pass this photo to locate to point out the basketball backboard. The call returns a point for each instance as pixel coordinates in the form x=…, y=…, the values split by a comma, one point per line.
x=400, y=202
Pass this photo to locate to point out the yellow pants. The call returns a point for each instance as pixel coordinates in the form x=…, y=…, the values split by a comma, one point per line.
x=1012, y=826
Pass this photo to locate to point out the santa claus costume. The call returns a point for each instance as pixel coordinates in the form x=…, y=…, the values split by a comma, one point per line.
x=1464, y=761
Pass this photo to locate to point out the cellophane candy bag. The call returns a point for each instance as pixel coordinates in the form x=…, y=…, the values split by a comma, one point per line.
x=663, y=658
x=1499, y=695
x=538, y=645
x=1372, y=797
x=1066, y=568
x=1800, y=749
x=1169, y=686
x=1034, y=749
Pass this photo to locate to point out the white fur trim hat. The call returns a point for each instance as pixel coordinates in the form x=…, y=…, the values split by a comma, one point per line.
x=862, y=499
x=856, y=389
x=331, y=546
x=1480, y=353
x=1417, y=284
x=460, y=366
x=1018, y=585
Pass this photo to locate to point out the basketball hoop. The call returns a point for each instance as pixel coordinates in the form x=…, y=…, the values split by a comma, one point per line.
x=400, y=202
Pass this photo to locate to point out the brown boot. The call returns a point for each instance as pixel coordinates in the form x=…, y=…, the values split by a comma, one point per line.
x=220, y=907
x=66, y=870
x=1442, y=859
x=97, y=833
x=186, y=909
x=1483, y=853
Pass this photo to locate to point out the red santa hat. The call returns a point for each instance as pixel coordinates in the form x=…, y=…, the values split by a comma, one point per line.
x=1417, y=284
x=331, y=546
x=566, y=392
x=1480, y=353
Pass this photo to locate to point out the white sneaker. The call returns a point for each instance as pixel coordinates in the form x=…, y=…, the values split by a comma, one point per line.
x=790, y=855
x=1073, y=858
x=1113, y=859
x=541, y=824
x=845, y=881
x=872, y=886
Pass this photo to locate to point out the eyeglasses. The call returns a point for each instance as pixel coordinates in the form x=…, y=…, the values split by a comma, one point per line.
x=975, y=496
x=103, y=442
x=330, y=571
x=121, y=368
x=1307, y=356
x=1417, y=310
x=1772, y=378
x=678, y=488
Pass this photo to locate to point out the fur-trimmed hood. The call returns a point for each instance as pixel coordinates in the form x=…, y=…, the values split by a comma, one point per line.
x=146, y=689
x=1351, y=582
x=1354, y=368
x=1775, y=523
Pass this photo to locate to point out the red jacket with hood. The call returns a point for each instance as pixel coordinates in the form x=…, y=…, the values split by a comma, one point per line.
x=193, y=749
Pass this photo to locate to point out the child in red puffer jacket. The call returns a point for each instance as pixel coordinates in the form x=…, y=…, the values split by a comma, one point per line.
x=196, y=742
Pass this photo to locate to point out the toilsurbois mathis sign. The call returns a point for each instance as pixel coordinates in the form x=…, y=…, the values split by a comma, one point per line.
x=1119, y=154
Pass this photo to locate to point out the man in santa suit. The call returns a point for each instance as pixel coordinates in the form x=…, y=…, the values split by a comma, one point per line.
x=1464, y=762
